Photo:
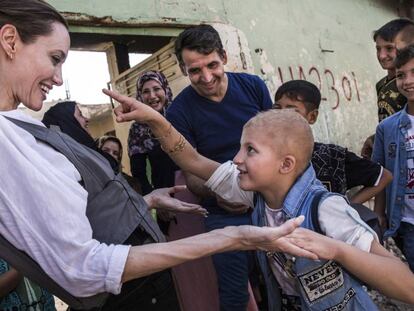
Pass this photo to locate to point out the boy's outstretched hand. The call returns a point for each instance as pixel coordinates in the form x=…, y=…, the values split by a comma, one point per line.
x=131, y=109
x=324, y=247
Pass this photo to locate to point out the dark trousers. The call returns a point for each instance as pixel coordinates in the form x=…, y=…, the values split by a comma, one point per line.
x=232, y=268
x=155, y=293
x=152, y=293
x=406, y=234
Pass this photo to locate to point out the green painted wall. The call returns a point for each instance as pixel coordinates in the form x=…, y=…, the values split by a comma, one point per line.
x=328, y=42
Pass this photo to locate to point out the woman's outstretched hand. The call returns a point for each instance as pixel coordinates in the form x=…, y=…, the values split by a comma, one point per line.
x=162, y=199
x=275, y=238
x=131, y=109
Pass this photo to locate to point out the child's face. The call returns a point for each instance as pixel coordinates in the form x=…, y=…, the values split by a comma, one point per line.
x=257, y=161
x=297, y=105
x=405, y=80
x=386, y=53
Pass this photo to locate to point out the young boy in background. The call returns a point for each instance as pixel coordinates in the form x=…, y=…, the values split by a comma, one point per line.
x=336, y=167
x=394, y=149
x=389, y=99
x=272, y=172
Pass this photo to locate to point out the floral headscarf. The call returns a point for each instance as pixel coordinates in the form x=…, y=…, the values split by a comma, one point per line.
x=159, y=77
x=140, y=139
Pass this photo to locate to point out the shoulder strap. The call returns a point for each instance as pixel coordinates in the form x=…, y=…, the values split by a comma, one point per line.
x=314, y=211
x=64, y=144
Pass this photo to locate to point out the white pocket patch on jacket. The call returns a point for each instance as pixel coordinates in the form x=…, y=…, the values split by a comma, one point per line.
x=322, y=281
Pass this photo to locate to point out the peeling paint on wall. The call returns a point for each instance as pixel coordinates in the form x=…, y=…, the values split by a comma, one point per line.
x=235, y=44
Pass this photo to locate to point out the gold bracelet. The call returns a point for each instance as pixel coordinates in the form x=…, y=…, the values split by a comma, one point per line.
x=169, y=131
x=178, y=147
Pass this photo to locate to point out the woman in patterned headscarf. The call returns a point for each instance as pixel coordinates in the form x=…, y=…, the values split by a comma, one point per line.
x=153, y=90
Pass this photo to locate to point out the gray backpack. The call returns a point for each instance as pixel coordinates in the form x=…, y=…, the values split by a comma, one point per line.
x=114, y=211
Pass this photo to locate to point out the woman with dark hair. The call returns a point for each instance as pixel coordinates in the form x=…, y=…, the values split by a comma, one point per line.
x=111, y=146
x=153, y=90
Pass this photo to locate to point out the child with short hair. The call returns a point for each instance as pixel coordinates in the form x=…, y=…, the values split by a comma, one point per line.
x=389, y=99
x=272, y=173
x=336, y=167
x=394, y=148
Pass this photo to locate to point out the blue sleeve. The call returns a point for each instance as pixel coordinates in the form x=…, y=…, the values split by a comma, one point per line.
x=266, y=102
x=177, y=115
x=378, y=153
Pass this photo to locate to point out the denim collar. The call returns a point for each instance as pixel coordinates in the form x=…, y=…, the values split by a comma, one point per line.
x=298, y=192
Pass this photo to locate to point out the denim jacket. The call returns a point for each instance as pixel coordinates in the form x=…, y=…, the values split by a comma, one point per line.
x=390, y=152
x=322, y=284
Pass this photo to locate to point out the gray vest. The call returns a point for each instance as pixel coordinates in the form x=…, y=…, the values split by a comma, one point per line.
x=114, y=210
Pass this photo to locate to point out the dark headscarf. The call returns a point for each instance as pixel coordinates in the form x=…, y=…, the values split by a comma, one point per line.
x=140, y=139
x=63, y=116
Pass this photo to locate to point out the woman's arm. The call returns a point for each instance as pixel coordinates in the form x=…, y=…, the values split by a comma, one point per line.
x=150, y=258
x=172, y=142
x=377, y=268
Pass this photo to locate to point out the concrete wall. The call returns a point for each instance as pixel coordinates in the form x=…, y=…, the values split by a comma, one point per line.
x=327, y=42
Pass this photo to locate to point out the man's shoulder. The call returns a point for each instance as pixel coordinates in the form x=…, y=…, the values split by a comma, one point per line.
x=244, y=77
x=183, y=101
x=252, y=86
x=183, y=95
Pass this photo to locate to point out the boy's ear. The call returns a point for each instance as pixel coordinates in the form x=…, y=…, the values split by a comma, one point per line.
x=288, y=164
x=8, y=38
x=313, y=116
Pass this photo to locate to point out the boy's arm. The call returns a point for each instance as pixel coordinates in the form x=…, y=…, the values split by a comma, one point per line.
x=173, y=143
x=367, y=193
x=197, y=186
x=378, y=155
x=224, y=183
x=364, y=172
x=377, y=268
x=379, y=209
x=9, y=281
